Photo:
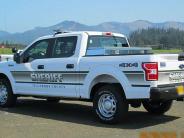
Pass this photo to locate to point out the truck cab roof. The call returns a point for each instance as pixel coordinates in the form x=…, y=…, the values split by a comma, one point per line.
x=90, y=33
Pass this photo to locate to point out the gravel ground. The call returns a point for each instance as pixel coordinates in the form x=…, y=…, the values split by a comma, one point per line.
x=38, y=119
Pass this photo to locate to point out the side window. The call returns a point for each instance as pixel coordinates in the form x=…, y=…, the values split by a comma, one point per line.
x=36, y=51
x=64, y=47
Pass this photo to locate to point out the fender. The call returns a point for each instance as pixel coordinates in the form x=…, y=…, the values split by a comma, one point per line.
x=5, y=68
x=85, y=90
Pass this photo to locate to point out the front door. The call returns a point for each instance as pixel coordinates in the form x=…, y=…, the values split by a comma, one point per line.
x=45, y=69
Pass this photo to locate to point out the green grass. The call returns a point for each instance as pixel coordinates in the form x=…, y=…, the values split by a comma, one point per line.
x=173, y=51
x=5, y=51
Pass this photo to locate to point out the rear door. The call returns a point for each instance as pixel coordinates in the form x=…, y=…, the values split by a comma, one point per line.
x=62, y=64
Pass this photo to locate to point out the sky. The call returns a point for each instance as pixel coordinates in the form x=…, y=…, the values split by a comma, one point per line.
x=23, y=15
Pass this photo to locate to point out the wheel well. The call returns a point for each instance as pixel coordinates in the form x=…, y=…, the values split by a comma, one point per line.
x=3, y=76
x=98, y=85
x=102, y=80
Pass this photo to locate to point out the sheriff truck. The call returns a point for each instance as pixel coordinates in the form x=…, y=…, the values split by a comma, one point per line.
x=99, y=67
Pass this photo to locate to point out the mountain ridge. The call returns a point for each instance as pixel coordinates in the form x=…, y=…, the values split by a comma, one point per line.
x=119, y=27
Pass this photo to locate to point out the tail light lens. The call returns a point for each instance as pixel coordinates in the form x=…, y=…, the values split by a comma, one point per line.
x=151, y=71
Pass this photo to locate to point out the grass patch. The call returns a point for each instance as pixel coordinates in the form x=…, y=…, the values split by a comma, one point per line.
x=5, y=51
x=173, y=51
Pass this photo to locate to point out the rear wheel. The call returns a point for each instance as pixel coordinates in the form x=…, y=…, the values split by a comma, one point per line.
x=157, y=107
x=110, y=105
x=7, y=98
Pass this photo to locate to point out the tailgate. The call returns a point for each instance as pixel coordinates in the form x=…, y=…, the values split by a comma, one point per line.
x=170, y=70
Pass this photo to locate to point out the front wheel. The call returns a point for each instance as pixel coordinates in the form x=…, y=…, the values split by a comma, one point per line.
x=110, y=105
x=157, y=107
x=7, y=98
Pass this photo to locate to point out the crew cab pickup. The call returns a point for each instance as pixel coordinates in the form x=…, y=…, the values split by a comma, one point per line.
x=99, y=67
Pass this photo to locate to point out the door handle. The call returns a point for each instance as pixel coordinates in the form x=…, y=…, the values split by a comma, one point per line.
x=70, y=66
x=40, y=67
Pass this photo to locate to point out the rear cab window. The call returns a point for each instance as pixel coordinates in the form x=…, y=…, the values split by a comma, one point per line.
x=97, y=45
x=106, y=41
x=102, y=45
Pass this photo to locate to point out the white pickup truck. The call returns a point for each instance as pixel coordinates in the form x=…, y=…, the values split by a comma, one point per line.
x=94, y=66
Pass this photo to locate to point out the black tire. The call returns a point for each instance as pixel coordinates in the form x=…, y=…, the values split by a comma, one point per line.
x=53, y=100
x=157, y=107
x=117, y=99
x=11, y=98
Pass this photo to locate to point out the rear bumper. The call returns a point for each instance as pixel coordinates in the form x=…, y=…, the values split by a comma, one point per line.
x=166, y=92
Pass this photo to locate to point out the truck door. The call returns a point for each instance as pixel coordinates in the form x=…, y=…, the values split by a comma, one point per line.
x=22, y=71
x=48, y=68
x=61, y=67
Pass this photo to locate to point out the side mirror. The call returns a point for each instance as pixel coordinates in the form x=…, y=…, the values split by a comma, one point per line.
x=16, y=58
x=14, y=50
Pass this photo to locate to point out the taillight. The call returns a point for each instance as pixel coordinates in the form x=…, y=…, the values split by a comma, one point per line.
x=151, y=71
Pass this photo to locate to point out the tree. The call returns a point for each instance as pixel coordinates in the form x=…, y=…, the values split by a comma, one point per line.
x=163, y=38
